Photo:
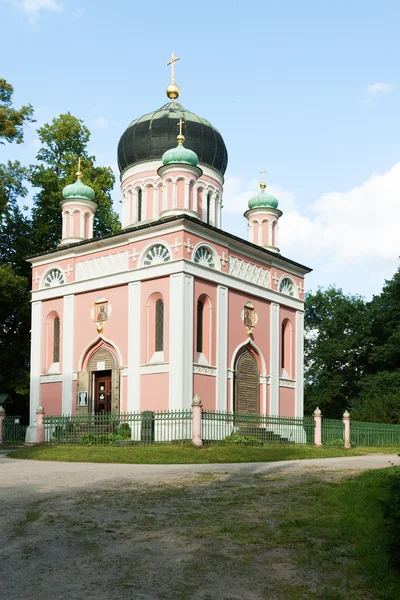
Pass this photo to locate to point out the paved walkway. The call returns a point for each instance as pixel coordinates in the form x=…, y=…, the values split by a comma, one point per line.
x=20, y=477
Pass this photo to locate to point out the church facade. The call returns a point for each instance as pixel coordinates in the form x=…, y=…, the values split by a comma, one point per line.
x=171, y=306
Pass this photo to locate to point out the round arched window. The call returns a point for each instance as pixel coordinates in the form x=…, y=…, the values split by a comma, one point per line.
x=286, y=286
x=53, y=278
x=156, y=255
x=204, y=256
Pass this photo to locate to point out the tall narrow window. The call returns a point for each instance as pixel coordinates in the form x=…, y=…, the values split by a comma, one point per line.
x=159, y=345
x=283, y=350
x=56, y=343
x=139, y=205
x=208, y=207
x=286, y=349
x=200, y=309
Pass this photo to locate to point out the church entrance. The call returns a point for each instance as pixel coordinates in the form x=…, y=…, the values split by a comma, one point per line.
x=247, y=395
x=102, y=392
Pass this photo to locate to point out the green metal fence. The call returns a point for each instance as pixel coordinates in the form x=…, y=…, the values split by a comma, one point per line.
x=119, y=429
x=256, y=429
x=13, y=431
x=332, y=432
x=374, y=434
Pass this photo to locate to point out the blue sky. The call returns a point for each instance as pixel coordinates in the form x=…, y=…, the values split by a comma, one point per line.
x=308, y=90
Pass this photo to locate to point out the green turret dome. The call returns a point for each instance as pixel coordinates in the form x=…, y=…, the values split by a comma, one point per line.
x=180, y=154
x=263, y=199
x=78, y=190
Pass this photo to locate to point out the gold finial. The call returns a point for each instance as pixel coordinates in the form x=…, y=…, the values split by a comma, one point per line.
x=180, y=136
x=173, y=90
x=78, y=173
x=263, y=185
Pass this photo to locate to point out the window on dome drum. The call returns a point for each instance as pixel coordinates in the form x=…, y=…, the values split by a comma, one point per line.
x=200, y=311
x=203, y=256
x=56, y=340
x=208, y=208
x=159, y=329
x=53, y=278
x=286, y=286
x=139, y=205
x=157, y=255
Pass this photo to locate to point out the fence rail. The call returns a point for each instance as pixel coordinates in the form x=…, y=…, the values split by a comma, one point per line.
x=374, y=434
x=119, y=429
x=13, y=431
x=256, y=429
x=332, y=432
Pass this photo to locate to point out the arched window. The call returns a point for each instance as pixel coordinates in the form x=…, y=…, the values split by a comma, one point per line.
x=159, y=328
x=203, y=256
x=286, y=286
x=139, y=205
x=156, y=255
x=56, y=342
x=200, y=310
x=286, y=349
x=208, y=208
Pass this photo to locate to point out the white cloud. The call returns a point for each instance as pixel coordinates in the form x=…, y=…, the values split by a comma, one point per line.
x=377, y=88
x=101, y=122
x=351, y=237
x=32, y=8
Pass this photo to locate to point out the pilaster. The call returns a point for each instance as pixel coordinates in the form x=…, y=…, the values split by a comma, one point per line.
x=68, y=354
x=222, y=348
x=299, y=363
x=275, y=354
x=134, y=321
x=181, y=341
x=36, y=356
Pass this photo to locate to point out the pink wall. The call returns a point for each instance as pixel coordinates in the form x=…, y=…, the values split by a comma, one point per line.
x=205, y=387
x=237, y=331
x=154, y=391
x=149, y=288
x=115, y=328
x=287, y=405
x=50, y=397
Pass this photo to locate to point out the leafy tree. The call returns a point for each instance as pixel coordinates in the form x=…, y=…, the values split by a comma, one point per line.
x=12, y=120
x=337, y=338
x=63, y=141
x=14, y=332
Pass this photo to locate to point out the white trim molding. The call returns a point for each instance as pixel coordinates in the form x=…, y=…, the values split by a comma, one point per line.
x=155, y=368
x=299, y=365
x=275, y=359
x=51, y=378
x=289, y=383
x=36, y=345
x=203, y=370
x=222, y=348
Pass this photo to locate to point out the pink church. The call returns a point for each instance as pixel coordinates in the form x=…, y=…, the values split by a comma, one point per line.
x=171, y=306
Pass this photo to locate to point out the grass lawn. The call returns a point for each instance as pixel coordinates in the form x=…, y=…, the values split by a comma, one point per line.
x=188, y=454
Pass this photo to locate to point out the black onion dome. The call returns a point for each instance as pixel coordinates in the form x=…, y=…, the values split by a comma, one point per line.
x=148, y=137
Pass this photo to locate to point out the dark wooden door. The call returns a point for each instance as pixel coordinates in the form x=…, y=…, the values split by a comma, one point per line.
x=102, y=392
x=247, y=384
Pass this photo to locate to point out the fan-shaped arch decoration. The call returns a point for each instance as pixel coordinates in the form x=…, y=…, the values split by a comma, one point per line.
x=286, y=286
x=53, y=278
x=204, y=256
x=156, y=255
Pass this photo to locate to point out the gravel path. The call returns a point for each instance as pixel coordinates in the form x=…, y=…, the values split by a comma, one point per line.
x=24, y=477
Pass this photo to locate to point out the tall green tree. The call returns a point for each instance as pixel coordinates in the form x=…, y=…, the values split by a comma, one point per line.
x=63, y=141
x=337, y=340
x=12, y=120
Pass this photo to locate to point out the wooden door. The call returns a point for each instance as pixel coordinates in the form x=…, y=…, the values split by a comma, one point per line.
x=247, y=384
x=102, y=392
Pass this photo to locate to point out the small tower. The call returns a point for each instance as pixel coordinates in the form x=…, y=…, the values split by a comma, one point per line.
x=78, y=208
x=179, y=173
x=263, y=216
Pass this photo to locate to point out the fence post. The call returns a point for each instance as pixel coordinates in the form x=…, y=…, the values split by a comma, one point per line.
x=196, y=421
x=346, y=422
x=39, y=425
x=318, y=428
x=2, y=415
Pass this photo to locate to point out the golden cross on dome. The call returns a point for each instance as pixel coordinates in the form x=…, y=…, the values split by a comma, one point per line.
x=78, y=173
x=172, y=63
x=179, y=124
x=263, y=185
x=262, y=173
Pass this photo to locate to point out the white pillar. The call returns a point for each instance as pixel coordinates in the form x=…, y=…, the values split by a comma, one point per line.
x=211, y=218
x=174, y=194
x=187, y=190
x=276, y=241
x=181, y=341
x=63, y=235
x=260, y=231
x=144, y=204
x=195, y=197
x=67, y=354
x=218, y=216
x=91, y=222
x=36, y=357
x=275, y=347
x=222, y=349
x=250, y=231
x=134, y=346
x=82, y=225
x=71, y=225
x=155, y=203
x=299, y=363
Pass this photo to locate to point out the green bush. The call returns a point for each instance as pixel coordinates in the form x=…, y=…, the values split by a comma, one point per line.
x=103, y=439
x=391, y=512
x=124, y=431
x=235, y=438
x=63, y=431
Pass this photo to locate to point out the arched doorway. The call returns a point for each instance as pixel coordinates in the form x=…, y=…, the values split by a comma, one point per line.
x=247, y=387
x=99, y=383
